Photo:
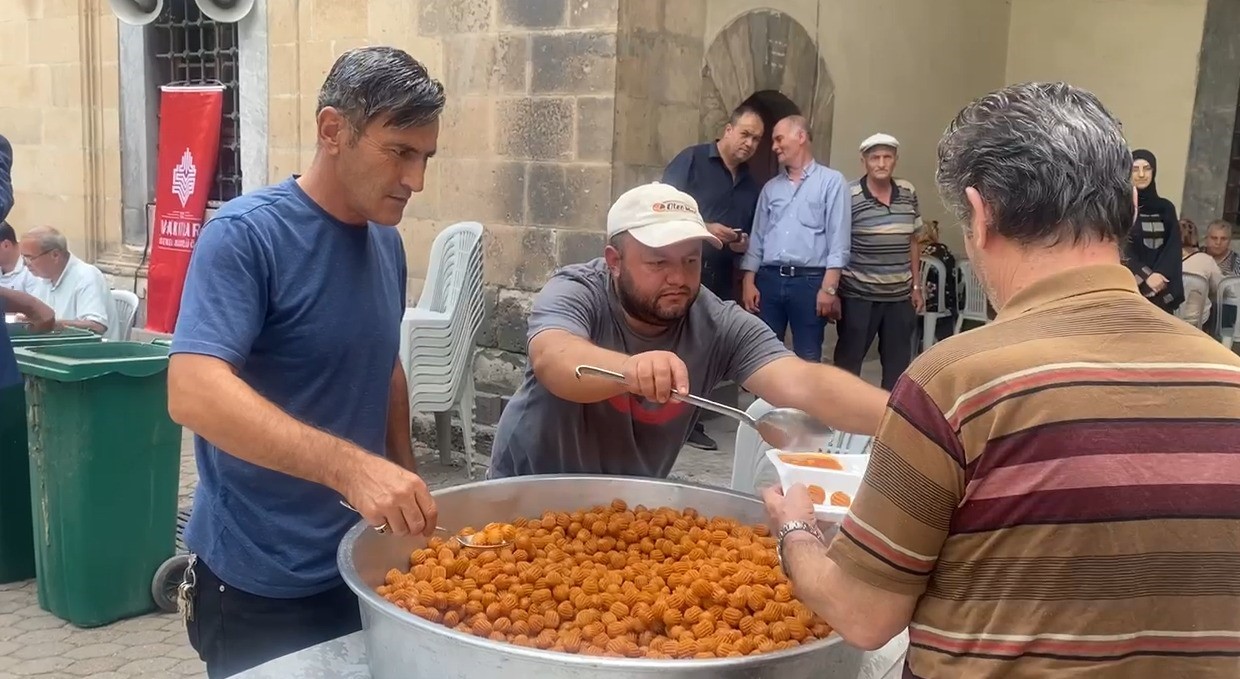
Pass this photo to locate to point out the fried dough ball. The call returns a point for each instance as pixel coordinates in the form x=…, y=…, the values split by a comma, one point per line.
x=612, y=581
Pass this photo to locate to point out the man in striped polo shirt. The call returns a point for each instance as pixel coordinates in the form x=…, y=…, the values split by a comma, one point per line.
x=879, y=293
x=1053, y=494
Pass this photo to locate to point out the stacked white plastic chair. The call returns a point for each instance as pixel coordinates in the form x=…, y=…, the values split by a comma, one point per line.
x=438, y=336
x=1193, y=283
x=1228, y=297
x=974, y=308
x=750, y=464
x=124, y=309
x=930, y=319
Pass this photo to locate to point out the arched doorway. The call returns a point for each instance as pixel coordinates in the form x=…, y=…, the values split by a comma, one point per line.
x=767, y=58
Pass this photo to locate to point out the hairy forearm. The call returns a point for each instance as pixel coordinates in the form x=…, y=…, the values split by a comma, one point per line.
x=834, y=397
x=555, y=355
x=205, y=397
x=21, y=303
x=399, y=441
x=816, y=579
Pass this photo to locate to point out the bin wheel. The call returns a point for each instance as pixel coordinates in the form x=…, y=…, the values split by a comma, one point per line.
x=167, y=578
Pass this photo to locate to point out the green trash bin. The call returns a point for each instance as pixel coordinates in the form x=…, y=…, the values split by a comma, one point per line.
x=16, y=535
x=104, y=466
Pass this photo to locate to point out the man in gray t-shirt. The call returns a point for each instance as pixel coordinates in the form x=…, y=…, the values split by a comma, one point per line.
x=641, y=311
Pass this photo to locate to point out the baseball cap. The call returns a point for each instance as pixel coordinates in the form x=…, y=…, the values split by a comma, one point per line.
x=879, y=139
x=658, y=215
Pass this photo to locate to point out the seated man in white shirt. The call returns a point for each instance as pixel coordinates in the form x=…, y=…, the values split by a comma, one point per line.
x=13, y=272
x=75, y=290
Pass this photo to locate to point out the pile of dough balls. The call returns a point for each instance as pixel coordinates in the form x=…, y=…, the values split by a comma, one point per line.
x=612, y=581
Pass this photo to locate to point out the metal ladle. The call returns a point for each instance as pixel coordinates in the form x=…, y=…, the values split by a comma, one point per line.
x=782, y=428
x=465, y=540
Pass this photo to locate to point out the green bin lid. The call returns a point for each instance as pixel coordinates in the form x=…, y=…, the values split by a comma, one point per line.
x=22, y=331
x=88, y=360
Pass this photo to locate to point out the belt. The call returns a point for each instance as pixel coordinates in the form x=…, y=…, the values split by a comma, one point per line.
x=789, y=271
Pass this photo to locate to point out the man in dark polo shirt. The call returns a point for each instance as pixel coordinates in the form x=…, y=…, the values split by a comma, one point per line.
x=717, y=175
x=880, y=293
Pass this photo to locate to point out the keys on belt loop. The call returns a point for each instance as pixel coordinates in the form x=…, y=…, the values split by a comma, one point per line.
x=185, y=591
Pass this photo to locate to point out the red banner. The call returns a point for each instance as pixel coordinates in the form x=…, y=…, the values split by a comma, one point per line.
x=189, y=142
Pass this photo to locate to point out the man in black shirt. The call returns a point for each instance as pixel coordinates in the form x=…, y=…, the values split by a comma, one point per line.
x=717, y=175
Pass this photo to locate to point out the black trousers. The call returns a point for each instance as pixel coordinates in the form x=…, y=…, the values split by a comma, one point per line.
x=234, y=631
x=895, y=325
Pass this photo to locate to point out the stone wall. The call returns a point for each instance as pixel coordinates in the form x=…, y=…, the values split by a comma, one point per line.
x=58, y=66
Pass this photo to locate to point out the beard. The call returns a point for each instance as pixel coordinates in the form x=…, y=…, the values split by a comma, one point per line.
x=646, y=309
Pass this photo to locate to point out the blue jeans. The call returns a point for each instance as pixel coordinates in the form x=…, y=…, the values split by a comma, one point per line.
x=792, y=301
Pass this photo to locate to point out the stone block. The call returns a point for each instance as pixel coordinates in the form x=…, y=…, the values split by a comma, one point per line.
x=634, y=138
x=30, y=85
x=573, y=63
x=282, y=22
x=487, y=334
x=392, y=22
x=466, y=129
x=13, y=43
x=593, y=13
x=109, y=85
x=596, y=120
x=627, y=176
x=512, y=313
x=574, y=196
x=678, y=127
x=62, y=127
x=282, y=70
x=638, y=63
x=641, y=15
x=499, y=372
x=284, y=113
x=485, y=64
x=488, y=408
x=417, y=236
x=685, y=17
x=535, y=128
x=332, y=19
x=54, y=41
x=679, y=80
x=22, y=126
x=316, y=59
x=579, y=246
x=282, y=163
x=437, y=17
x=521, y=257
x=66, y=85
x=487, y=191
x=532, y=13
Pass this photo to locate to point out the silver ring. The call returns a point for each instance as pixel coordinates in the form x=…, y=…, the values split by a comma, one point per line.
x=381, y=529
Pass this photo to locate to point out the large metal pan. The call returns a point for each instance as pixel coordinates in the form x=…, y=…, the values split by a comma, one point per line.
x=401, y=645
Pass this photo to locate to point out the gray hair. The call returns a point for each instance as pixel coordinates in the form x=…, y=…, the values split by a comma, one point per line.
x=49, y=239
x=368, y=82
x=797, y=121
x=1048, y=159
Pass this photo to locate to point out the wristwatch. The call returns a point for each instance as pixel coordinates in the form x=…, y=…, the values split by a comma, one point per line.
x=829, y=291
x=791, y=527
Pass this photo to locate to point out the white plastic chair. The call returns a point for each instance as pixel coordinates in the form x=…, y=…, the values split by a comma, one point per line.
x=930, y=319
x=974, y=308
x=438, y=337
x=1196, y=291
x=124, y=309
x=750, y=457
x=1228, y=296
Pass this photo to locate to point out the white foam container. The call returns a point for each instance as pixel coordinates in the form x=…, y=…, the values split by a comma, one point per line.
x=830, y=480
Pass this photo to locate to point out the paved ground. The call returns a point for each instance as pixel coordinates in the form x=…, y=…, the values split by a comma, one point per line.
x=33, y=643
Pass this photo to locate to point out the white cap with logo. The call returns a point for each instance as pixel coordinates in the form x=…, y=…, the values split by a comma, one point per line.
x=879, y=139
x=658, y=215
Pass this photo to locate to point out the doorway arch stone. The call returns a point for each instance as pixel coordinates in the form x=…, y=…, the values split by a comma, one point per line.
x=762, y=50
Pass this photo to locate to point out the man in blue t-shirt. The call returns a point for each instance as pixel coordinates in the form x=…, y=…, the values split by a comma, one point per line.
x=284, y=365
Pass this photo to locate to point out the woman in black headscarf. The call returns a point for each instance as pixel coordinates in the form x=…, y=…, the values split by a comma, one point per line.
x=1153, y=252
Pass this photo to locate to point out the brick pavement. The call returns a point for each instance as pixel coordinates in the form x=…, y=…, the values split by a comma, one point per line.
x=33, y=643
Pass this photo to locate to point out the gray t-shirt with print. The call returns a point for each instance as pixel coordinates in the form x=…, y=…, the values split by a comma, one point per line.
x=540, y=433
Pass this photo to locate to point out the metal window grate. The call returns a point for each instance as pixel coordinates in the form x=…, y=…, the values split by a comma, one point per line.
x=192, y=49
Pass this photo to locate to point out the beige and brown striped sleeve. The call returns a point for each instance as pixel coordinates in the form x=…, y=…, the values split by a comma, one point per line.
x=897, y=524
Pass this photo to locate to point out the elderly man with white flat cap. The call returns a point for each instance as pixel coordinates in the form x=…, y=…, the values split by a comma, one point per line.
x=880, y=291
x=640, y=310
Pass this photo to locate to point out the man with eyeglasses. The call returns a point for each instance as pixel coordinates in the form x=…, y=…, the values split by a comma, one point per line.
x=75, y=290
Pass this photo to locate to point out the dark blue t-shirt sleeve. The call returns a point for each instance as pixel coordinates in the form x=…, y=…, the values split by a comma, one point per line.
x=226, y=291
x=6, y=178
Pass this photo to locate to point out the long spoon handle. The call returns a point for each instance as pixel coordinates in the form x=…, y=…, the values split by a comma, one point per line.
x=707, y=404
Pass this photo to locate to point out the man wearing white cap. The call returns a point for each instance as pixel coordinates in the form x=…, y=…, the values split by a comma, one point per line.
x=880, y=291
x=640, y=310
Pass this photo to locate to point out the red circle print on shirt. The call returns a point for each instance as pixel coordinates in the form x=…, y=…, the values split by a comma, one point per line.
x=647, y=412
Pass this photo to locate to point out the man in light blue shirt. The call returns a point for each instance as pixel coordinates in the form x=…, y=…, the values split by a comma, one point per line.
x=800, y=242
